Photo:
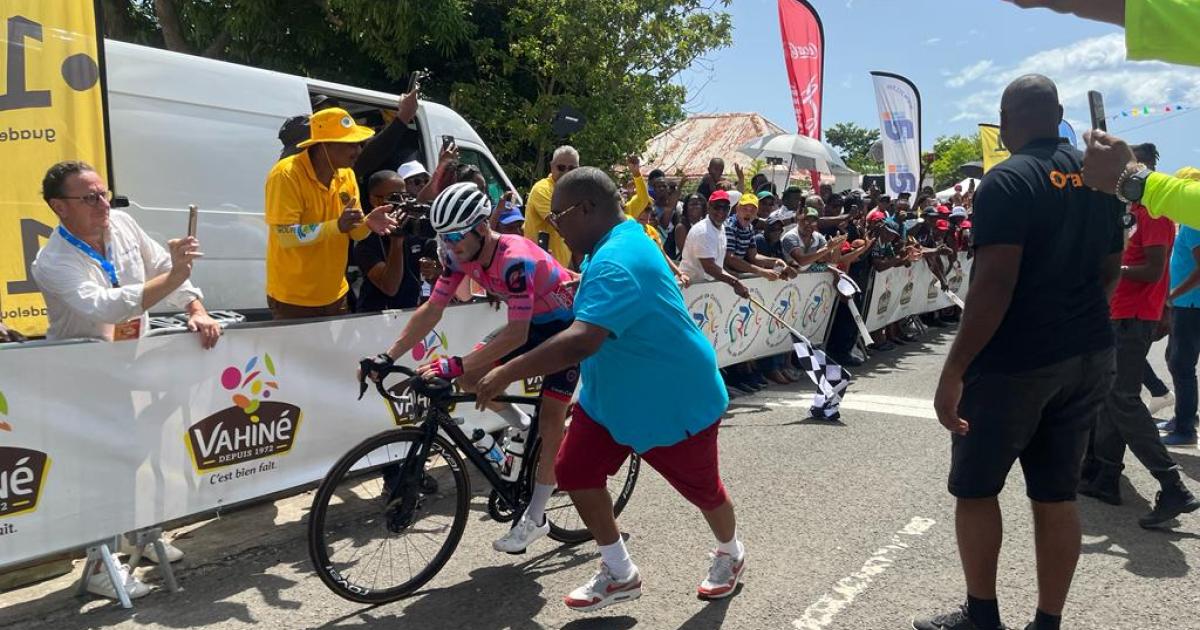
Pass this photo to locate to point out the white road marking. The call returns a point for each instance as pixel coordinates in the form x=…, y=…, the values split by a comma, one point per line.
x=821, y=613
x=893, y=405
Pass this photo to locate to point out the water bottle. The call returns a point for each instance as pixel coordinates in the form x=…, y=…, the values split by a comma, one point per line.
x=486, y=445
x=514, y=452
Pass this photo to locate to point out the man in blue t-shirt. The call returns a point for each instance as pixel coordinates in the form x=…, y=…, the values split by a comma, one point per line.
x=630, y=326
x=1183, y=349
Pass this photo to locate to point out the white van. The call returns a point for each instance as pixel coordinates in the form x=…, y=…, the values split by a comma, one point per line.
x=190, y=130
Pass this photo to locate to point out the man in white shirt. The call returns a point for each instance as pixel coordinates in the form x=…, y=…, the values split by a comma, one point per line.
x=706, y=244
x=100, y=274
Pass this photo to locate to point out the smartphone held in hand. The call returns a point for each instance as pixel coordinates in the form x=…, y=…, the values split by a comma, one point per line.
x=193, y=218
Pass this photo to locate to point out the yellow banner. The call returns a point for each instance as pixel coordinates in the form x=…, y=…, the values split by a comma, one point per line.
x=994, y=151
x=51, y=109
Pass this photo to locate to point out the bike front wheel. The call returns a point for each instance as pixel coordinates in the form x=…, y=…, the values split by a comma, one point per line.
x=387, y=517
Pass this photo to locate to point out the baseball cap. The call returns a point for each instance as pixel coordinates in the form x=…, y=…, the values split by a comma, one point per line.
x=719, y=195
x=748, y=200
x=943, y=209
x=812, y=214
x=876, y=215
x=335, y=125
x=510, y=216
x=793, y=189
x=891, y=226
x=734, y=197
x=410, y=169
x=959, y=211
x=929, y=211
x=783, y=215
x=1188, y=172
x=763, y=194
x=958, y=188
x=942, y=225
x=774, y=221
x=966, y=224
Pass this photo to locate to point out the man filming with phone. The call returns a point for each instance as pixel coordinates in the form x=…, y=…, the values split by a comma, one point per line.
x=312, y=212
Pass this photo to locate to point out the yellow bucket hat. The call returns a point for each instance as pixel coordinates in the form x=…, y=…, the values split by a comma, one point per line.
x=1188, y=172
x=335, y=125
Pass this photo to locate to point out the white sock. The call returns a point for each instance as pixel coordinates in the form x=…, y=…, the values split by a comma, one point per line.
x=536, y=511
x=733, y=547
x=616, y=558
x=515, y=418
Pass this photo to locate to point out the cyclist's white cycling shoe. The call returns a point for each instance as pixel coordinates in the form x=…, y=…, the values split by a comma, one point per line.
x=522, y=535
x=604, y=590
x=723, y=576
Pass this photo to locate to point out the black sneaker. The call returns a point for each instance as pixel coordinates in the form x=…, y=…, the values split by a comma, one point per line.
x=953, y=620
x=1171, y=501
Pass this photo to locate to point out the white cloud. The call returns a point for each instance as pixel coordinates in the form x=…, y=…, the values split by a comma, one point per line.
x=971, y=73
x=933, y=40
x=1097, y=63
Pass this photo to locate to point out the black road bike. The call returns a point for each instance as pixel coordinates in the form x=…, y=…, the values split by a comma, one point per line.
x=390, y=513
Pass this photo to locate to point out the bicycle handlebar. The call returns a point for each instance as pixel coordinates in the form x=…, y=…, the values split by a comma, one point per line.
x=435, y=388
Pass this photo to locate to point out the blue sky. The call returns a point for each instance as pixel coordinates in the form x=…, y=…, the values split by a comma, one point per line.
x=960, y=54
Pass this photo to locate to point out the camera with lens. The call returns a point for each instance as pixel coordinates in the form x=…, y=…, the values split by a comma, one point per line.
x=411, y=215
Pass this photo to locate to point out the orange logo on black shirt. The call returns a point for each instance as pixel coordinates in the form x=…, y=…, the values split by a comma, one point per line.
x=1060, y=180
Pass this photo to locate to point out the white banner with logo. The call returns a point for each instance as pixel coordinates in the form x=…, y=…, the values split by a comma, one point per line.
x=97, y=439
x=899, y=105
x=900, y=292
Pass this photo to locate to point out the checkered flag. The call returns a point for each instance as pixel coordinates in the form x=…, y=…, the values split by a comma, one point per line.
x=829, y=377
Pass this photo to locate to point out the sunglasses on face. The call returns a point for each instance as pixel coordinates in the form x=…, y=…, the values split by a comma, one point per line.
x=555, y=217
x=454, y=238
x=565, y=168
x=419, y=182
x=92, y=198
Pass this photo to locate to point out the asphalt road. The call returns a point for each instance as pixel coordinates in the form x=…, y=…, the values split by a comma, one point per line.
x=846, y=526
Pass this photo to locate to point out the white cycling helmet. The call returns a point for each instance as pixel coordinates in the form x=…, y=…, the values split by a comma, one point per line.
x=459, y=208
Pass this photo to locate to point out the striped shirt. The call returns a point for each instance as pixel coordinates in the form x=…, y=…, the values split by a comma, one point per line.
x=741, y=238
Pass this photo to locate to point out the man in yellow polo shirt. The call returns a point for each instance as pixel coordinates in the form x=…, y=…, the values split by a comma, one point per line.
x=537, y=206
x=312, y=212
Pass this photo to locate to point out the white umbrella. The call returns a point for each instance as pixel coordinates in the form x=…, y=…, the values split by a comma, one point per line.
x=803, y=153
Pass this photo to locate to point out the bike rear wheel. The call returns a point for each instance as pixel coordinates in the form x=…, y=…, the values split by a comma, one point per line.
x=372, y=545
x=565, y=524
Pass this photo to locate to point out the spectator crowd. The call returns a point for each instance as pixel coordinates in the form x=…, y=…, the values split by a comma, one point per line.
x=348, y=231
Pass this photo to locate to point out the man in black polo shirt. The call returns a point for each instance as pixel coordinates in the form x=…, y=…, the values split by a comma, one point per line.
x=1033, y=361
x=391, y=265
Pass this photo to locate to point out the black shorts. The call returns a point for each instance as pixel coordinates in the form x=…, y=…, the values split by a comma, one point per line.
x=1041, y=416
x=561, y=384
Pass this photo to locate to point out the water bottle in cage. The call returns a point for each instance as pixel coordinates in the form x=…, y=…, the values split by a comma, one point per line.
x=487, y=446
x=514, y=452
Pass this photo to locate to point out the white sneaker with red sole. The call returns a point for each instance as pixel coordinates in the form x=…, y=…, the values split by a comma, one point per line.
x=604, y=590
x=723, y=576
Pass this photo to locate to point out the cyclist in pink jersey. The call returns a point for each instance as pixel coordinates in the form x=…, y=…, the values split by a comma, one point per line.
x=539, y=293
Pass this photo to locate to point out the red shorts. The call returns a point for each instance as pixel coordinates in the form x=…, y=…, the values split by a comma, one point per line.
x=589, y=455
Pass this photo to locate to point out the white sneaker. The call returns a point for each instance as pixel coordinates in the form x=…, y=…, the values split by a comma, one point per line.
x=723, y=575
x=100, y=584
x=174, y=554
x=1157, y=403
x=521, y=535
x=604, y=590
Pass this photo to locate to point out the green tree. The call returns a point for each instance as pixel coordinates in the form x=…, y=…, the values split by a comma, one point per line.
x=854, y=142
x=505, y=65
x=951, y=153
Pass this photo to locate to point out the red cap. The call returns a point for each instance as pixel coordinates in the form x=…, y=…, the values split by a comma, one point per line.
x=958, y=188
x=942, y=225
x=846, y=247
x=965, y=224
x=943, y=209
x=718, y=195
x=876, y=215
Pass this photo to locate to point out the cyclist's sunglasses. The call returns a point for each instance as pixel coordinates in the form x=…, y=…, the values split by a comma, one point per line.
x=454, y=238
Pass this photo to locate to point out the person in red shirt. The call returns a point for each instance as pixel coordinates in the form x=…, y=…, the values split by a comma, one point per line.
x=1136, y=307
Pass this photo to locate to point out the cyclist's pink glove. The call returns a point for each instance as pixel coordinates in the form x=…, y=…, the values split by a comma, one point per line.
x=448, y=368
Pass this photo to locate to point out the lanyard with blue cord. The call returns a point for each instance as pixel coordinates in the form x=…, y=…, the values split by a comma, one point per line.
x=104, y=262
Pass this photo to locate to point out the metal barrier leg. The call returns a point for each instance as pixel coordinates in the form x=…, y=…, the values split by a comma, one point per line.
x=153, y=536
x=101, y=553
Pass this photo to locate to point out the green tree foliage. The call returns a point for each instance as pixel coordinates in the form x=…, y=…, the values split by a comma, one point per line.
x=506, y=65
x=952, y=152
x=855, y=142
